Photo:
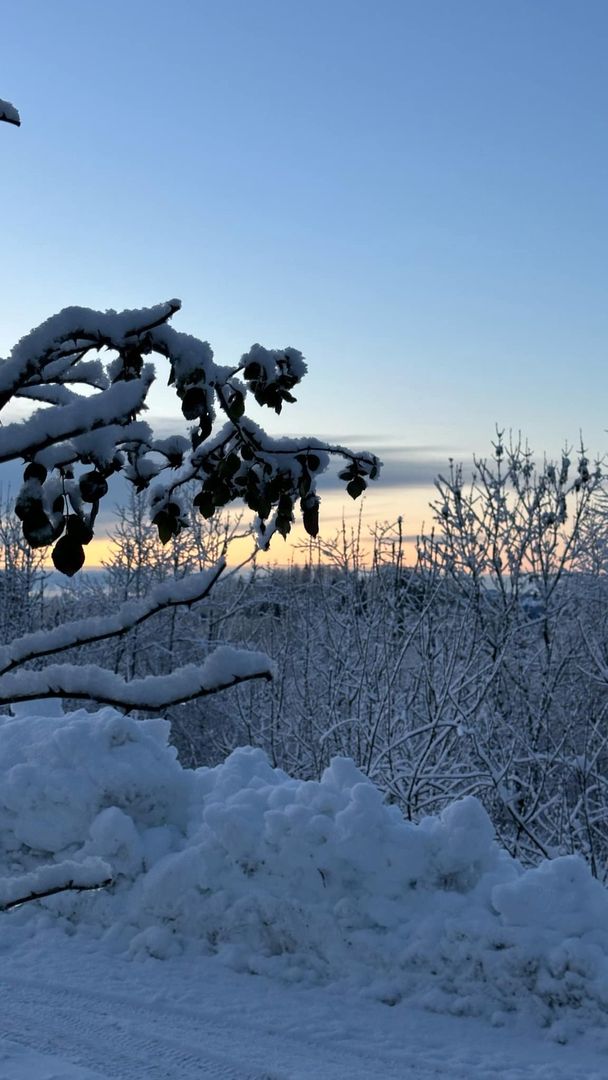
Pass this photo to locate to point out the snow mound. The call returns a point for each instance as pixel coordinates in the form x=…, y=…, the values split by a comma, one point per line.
x=315, y=882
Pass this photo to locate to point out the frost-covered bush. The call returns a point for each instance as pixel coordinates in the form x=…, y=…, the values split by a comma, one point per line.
x=315, y=881
x=477, y=669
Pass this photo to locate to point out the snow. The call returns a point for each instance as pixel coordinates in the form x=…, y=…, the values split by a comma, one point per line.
x=48, y=426
x=72, y=1012
x=223, y=668
x=272, y=361
x=70, y=328
x=311, y=884
x=86, y=874
x=192, y=359
x=20, y=1063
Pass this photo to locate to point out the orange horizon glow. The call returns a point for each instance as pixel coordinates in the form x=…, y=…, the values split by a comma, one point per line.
x=338, y=515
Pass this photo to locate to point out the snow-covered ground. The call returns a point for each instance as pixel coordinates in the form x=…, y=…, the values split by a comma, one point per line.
x=265, y=928
x=70, y=1011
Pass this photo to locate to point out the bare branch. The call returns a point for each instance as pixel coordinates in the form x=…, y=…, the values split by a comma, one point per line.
x=91, y=873
x=70, y=886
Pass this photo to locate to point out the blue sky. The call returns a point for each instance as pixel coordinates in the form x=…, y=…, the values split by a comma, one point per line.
x=413, y=193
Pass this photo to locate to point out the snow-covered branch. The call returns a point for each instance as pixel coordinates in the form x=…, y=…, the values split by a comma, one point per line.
x=176, y=592
x=223, y=669
x=49, y=426
x=68, y=875
x=228, y=462
x=9, y=113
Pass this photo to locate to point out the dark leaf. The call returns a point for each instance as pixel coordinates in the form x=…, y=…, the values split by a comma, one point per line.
x=356, y=487
x=167, y=526
x=232, y=465
x=194, y=402
x=38, y=530
x=204, y=501
x=68, y=556
x=283, y=526
x=310, y=517
x=304, y=484
x=347, y=474
x=285, y=506
x=222, y=494
x=236, y=405
x=78, y=530
x=93, y=486
x=35, y=471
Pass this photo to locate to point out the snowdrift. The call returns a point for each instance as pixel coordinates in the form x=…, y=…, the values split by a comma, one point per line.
x=305, y=881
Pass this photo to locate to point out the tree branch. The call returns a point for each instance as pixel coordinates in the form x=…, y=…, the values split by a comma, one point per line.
x=70, y=886
x=169, y=594
x=91, y=873
x=9, y=113
x=223, y=669
x=50, y=426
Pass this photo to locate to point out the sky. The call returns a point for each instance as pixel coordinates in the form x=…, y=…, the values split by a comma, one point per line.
x=412, y=192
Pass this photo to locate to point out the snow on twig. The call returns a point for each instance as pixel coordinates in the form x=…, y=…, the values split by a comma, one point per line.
x=48, y=426
x=223, y=669
x=173, y=593
x=64, y=336
x=9, y=113
x=92, y=873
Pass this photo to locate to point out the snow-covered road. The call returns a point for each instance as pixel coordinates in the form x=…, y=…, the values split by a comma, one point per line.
x=71, y=1011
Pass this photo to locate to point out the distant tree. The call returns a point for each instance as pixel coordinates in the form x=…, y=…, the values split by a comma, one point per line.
x=22, y=579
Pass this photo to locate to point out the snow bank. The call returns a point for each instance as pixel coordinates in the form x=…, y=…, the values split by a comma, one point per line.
x=310, y=882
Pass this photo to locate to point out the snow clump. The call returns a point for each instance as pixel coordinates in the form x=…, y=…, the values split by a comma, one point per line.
x=314, y=882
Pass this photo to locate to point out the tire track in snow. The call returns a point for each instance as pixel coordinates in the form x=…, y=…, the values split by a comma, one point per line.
x=58, y=1022
x=126, y=1040
x=111, y=1031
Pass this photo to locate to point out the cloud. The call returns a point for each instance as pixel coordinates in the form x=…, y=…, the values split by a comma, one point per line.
x=403, y=467
x=406, y=467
